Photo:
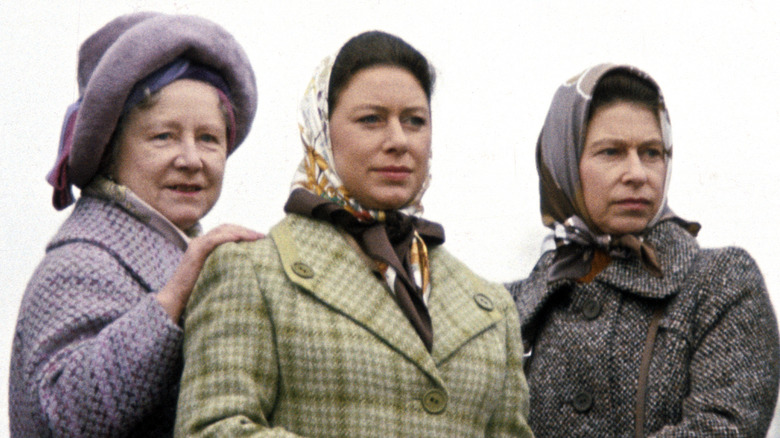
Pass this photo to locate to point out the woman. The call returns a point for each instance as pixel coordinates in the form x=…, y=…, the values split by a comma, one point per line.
x=352, y=320
x=164, y=100
x=633, y=329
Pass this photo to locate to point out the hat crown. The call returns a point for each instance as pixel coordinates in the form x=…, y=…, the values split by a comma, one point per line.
x=93, y=48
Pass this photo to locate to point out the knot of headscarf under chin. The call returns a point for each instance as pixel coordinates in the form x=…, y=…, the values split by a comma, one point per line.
x=577, y=245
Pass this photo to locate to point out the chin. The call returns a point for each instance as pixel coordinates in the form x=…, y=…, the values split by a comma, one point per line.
x=184, y=222
x=385, y=203
x=627, y=228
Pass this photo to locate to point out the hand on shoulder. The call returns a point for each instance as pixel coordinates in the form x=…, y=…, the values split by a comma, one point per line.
x=174, y=295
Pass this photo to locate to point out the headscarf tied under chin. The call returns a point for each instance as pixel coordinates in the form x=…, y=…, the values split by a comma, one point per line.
x=558, y=154
x=317, y=172
x=396, y=241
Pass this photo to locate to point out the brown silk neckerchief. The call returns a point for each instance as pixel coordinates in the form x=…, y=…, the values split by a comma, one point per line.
x=600, y=262
x=389, y=243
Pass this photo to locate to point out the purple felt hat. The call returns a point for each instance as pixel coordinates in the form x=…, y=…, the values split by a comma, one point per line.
x=124, y=52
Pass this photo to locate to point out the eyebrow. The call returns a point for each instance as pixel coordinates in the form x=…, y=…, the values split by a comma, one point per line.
x=168, y=124
x=613, y=140
x=369, y=106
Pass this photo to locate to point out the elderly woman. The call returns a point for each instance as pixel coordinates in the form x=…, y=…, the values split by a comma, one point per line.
x=97, y=352
x=631, y=327
x=352, y=320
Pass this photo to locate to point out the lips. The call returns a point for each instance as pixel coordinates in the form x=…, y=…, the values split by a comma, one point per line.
x=185, y=188
x=634, y=203
x=394, y=172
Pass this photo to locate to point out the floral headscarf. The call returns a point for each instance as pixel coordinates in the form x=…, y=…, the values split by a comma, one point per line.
x=558, y=154
x=317, y=172
x=396, y=240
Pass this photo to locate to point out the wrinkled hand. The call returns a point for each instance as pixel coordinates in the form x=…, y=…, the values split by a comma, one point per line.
x=174, y=295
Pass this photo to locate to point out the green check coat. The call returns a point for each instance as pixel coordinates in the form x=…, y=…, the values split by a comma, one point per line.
x=295, y=336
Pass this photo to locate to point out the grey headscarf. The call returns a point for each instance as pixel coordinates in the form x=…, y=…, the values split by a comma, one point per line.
x=558, y=154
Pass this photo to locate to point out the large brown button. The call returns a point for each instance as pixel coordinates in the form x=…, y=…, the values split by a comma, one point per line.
x=483, y=302
x=582, y=402
x=302, y=270
x=591, y=309
x=434, y=401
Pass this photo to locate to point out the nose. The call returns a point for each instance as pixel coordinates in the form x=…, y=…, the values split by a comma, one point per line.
x=397, y=139
x=188, y=157
x=635, y=171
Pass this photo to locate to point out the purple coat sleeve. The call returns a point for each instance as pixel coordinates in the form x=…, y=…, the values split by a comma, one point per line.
x=94, y=353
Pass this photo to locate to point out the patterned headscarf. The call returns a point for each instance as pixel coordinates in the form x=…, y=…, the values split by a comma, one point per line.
x=396, y=240
x=558, y=154
x=317, y=172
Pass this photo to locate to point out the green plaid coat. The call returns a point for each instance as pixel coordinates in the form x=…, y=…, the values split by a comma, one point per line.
x=295, y=335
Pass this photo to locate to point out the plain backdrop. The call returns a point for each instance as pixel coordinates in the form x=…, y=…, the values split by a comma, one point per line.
x=498, y=63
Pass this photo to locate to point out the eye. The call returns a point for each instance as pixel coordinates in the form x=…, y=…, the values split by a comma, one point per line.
x=653, y=154
x=609, y=152
x=208, y=138
x=416, y=121
x=162, y=136
x=370, y=119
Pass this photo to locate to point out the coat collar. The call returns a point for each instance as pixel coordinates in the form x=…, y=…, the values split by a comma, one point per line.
x=318, y=259
x=676, y=251
x=150, y=259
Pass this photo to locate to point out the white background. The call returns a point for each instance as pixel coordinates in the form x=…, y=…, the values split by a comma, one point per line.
x=499, y=63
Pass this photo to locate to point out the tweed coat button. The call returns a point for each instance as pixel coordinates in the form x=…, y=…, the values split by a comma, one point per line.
x=591, y=309
x=302, y=270
x=582, y=402
x=434, y=401
x=484, y=302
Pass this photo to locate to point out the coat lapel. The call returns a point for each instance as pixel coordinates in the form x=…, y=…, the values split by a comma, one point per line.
x=318, y=259
x=465, y=311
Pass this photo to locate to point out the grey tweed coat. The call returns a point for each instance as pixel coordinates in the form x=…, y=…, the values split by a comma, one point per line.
x=94, y=355
x=715, y=362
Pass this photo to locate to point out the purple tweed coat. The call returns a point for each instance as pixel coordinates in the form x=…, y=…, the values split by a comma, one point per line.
x=716, y=359
x=94, y=354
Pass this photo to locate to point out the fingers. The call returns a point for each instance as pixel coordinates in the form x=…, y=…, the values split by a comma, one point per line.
x=203, y=245
x=174, y=295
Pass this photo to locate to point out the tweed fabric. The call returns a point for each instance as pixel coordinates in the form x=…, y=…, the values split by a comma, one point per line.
x=94, y=354
x=715, y=363
x=272, y=349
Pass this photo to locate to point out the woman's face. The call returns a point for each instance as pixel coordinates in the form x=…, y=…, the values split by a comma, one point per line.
x=623, y=168
x=380, y=131
x=172, y=155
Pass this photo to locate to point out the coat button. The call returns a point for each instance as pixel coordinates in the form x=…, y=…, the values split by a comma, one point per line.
x=591, y=309
x=582, y=402
x=484, y=302
x=302, y=270
x=434, y=401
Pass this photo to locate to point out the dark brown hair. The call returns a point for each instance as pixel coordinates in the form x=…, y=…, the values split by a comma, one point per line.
x=622, y=85
x=377, y=48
